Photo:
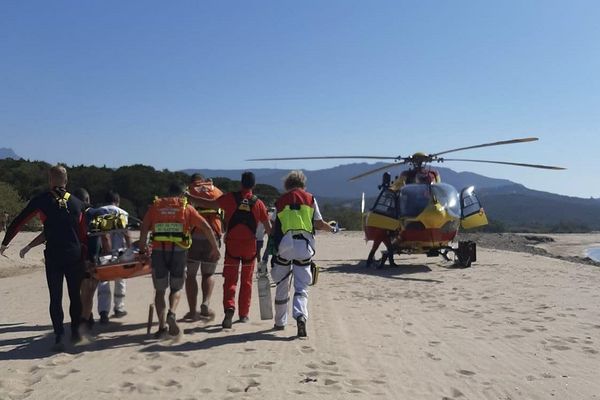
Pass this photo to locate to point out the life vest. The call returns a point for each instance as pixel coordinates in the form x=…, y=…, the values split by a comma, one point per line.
x=295, y=211
x=204, y=190
x=208, y=191
x=170, y=222
x=243, y=213
x=108, y=222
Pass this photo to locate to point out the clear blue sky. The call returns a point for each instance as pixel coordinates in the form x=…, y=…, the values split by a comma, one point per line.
x=207, y=84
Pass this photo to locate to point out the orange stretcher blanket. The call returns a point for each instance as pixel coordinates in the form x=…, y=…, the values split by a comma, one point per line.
x=138, y=266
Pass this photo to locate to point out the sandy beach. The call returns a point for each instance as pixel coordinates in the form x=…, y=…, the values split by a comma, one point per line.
x=516, y=325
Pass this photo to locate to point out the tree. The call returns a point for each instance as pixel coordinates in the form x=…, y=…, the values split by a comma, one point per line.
x=11, y=203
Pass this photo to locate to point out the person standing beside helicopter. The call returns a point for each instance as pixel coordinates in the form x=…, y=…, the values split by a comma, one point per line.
x=298, y=216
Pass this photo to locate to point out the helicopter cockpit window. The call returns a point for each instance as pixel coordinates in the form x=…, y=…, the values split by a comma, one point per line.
x=448, y=198
x=386, y=204
x=413, y=199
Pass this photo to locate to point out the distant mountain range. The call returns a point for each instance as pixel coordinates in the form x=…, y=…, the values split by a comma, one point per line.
x=512, y=204
x=8, y=153
x=333, y=182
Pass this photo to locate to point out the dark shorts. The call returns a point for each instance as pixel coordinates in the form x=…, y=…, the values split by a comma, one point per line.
x=168, y=269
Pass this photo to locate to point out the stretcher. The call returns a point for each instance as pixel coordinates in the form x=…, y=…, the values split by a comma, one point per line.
x=119, y=269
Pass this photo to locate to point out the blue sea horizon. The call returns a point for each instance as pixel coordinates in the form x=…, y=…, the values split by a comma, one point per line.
x=593, y=253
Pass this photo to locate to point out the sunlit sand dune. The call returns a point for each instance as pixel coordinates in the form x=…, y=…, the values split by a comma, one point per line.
x=515, y=325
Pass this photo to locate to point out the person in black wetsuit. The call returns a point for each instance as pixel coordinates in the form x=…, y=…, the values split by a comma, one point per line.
x=64, y=229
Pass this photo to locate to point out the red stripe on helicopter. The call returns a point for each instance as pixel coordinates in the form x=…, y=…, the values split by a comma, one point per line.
x=427, y=235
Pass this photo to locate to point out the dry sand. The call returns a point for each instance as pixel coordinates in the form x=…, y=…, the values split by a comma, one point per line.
x=514, y=326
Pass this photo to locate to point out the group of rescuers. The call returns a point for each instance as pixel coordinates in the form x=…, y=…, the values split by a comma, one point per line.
x=184, y=234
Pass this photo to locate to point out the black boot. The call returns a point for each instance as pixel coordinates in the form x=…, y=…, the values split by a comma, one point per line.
x=301, y=321
x=228, y=320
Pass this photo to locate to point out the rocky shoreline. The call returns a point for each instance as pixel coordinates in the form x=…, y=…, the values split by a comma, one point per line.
x=523, y=243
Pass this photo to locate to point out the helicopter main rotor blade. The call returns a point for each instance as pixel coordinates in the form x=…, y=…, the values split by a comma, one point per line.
x=505, y=163
x=387, y=166
x=523, y=140
x=323, y=158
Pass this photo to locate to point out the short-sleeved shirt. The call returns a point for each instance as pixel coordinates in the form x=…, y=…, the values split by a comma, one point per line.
x=229, y=205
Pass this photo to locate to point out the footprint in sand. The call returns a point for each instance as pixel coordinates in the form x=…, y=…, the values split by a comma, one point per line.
x=146, y=388
x=268, y=365
x=513, y=336
x=62, y=374
x=142, y=369
x=60, y=361
x=589, y=350
x=171, y=383
x=432, y=356
x=307, y=349
x=465, y=372
x=312, y=365
x=252, y=384
x=251, y=376
x=356, y=391
x=35, y=369
x=197, y=364
x=358, y=382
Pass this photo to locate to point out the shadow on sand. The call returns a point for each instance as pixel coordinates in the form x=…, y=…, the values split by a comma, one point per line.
x=399, y=272
x=26, y=347
x=207, y=343
x=39, y=346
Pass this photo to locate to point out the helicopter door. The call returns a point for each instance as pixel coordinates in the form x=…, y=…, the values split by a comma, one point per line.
x=384, y=213
x=472, y=214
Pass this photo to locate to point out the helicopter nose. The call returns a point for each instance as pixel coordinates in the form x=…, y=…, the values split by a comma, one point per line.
x=434, y=216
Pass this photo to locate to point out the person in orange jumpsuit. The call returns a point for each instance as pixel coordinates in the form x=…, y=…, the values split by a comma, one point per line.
x=243, y=212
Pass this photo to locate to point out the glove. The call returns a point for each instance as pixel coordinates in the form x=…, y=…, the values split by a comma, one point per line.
x=335, y=226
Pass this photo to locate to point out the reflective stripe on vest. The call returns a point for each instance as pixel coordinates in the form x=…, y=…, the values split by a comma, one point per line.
x=296, y=217
x=173, y=228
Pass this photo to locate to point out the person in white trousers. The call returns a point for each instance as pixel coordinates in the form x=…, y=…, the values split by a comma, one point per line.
x=120, y=242
x=298, y=216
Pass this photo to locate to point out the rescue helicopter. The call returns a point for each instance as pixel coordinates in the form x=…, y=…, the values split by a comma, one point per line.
x=417, y=213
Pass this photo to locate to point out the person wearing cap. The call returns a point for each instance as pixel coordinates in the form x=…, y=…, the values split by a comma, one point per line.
x=199, y=254
x=243, y=211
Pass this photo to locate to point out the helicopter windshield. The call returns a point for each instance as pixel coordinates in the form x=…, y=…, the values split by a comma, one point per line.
x=413, y=199
x=448, y=197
